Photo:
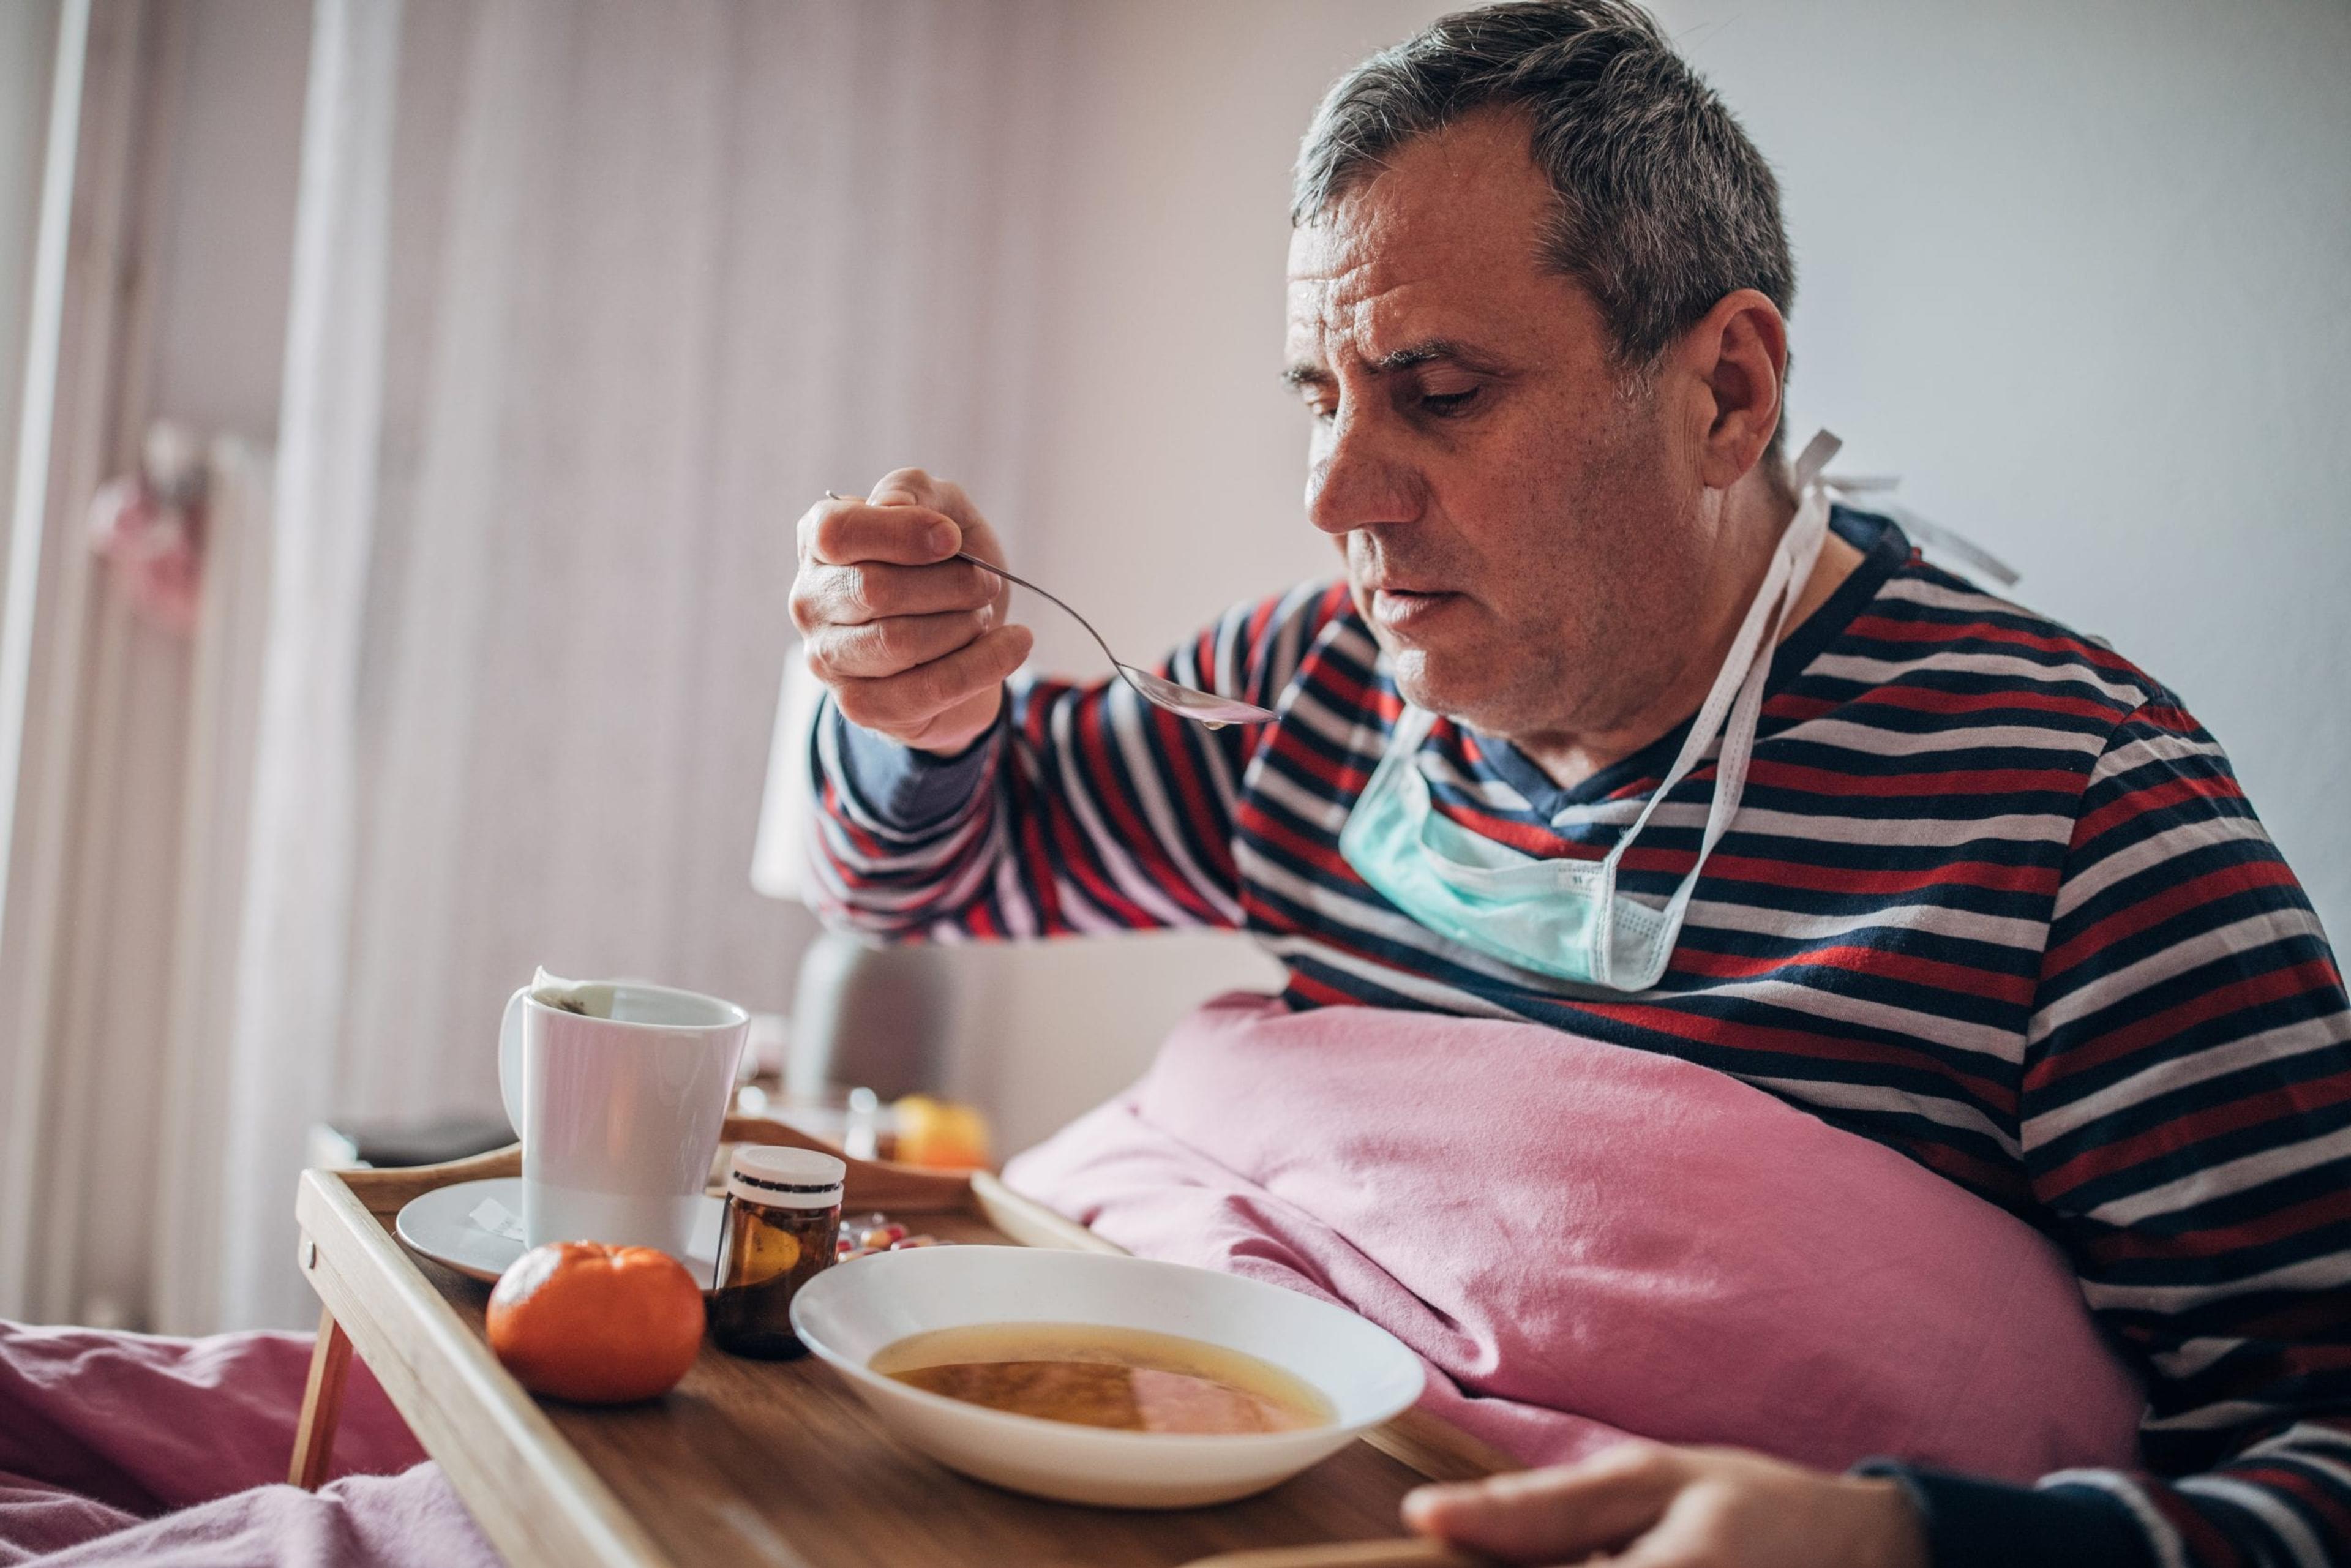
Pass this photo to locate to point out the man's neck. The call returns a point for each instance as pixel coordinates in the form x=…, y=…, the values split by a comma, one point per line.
x=1570, y=759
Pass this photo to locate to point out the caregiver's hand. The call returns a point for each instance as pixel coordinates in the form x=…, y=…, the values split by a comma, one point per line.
x=912, y=643
x=1645, y=1505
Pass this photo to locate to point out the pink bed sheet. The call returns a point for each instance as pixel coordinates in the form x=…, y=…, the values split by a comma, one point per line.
x=118, y=1448
x=1583, y=1241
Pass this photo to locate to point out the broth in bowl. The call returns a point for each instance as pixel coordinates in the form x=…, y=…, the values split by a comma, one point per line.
x=1091, y=1374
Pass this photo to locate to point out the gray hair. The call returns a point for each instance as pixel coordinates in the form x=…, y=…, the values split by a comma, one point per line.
x=1665, y=205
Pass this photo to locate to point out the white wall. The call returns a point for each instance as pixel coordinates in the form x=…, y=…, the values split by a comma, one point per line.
x=2071, y=270
x=2078, y=273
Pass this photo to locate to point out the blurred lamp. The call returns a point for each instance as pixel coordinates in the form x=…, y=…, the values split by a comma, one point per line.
x=873, y=1016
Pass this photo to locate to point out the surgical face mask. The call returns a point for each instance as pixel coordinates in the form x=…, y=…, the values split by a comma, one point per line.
x=1565, y=918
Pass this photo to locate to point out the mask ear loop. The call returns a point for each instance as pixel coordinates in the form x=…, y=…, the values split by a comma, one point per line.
x=1774, y=598
x=1739, y=742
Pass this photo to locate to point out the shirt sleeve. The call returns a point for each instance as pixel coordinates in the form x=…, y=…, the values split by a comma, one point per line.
x=2186, y=1126
x=1085, y=810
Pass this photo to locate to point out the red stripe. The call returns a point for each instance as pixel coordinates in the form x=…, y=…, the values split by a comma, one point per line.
x=2207, y=1547
x=1746, y=1035
x=1947, y=704
x=2153, y=797
x=1339, y=780
x=2037, y=882
x=2311, y=1214
x=1970, y=783
x=2162, y=906
x=2311, y=1494
x=2252, y=992
x=2188, y=1131
x=1860, y=959
x=1883, y=629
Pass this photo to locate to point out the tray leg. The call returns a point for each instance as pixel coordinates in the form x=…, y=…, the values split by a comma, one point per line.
x=322, y=1404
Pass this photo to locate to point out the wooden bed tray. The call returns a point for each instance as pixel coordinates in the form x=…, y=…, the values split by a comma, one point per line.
x=764, y=1462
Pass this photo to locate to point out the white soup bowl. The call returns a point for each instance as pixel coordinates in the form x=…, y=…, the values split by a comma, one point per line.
x=849, y=1312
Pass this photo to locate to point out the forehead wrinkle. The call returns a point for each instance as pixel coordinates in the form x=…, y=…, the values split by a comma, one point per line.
x=1382, y=332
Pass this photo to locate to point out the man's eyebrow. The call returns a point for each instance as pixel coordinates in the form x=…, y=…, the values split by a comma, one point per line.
x=1304, y=374
x=1419, y=354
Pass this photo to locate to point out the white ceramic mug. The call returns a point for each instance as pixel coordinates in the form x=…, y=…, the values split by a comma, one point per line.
x=619, y=1116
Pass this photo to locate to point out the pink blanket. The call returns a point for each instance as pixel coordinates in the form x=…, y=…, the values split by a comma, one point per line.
x=1585, y=1241
x=116, y=1447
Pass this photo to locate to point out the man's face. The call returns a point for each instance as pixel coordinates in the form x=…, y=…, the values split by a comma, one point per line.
x=1526, y=534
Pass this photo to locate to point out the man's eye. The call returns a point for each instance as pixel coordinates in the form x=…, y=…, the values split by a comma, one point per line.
x=1443, y=404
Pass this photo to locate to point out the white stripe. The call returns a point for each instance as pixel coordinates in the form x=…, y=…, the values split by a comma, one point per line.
x=1865, y=670
x=2157, y=745
x=2303, y=1440
x=1941, y=596
x=1151, y=788
x=1827, y=1002
x=2192, y=1357
x=1882, y=1101
x=1125, y=872
x=2257, y=930
x=1020, y=914
x=1418, y=987
x=1346, y=729
x=2308, y=1445
x=2155, y=850
x=1909, y=832
x=2171, y=1552
x=1869, y=740
x=1932, y=921
x=2228, y=1177
x=2267, y=1506
x=2282, y=1043
x=2331, y=1271
x=2219, y=1415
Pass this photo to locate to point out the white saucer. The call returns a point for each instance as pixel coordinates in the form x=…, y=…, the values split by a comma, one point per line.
x=476, y=1228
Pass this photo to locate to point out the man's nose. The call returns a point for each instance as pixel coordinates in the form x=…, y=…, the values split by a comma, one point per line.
x=1353, y=483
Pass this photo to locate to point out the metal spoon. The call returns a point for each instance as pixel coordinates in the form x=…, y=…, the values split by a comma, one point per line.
x=1205, y=707
x=1187, y=702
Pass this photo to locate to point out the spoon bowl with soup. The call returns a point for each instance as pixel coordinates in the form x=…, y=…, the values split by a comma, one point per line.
x=1092, y=1378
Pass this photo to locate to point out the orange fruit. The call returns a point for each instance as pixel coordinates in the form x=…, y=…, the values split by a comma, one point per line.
x=940, y=1134
x=600, y=1324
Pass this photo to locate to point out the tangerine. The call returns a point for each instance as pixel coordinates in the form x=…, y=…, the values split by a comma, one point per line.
x=599, y=1324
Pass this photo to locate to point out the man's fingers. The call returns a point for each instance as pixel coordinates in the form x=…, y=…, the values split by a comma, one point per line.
x=904, y=703
x=854, y=595
x=914, y=487
x=1550, y=1514
x=1692, y=1533
x=881, y=648
x=846, y=532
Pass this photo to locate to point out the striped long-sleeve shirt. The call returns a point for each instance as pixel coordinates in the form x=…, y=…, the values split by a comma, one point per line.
x=1992, y=898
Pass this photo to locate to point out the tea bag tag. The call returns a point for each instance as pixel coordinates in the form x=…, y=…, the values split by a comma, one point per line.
x=590, y=999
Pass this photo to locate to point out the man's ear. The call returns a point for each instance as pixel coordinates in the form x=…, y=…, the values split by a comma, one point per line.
x=1736, y=359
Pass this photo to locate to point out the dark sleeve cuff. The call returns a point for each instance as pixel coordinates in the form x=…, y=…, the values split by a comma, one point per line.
x=1975, y=1523
x=905, y=791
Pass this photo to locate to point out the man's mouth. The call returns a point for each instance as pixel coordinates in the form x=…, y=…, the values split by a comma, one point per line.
x=1408, y=608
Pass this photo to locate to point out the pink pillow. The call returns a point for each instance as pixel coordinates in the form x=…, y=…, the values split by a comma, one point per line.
x=1585, y=1240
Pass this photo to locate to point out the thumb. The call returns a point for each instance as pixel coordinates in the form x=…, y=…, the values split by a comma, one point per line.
x=904, y=487
x=1561, y=1512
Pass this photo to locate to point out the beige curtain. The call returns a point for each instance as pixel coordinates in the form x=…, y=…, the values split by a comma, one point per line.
x=615, y=289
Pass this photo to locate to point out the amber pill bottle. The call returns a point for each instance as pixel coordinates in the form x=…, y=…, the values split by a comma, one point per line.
x=783, y=1211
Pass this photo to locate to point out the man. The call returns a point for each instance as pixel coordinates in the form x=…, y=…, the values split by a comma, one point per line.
x=1982, y=892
